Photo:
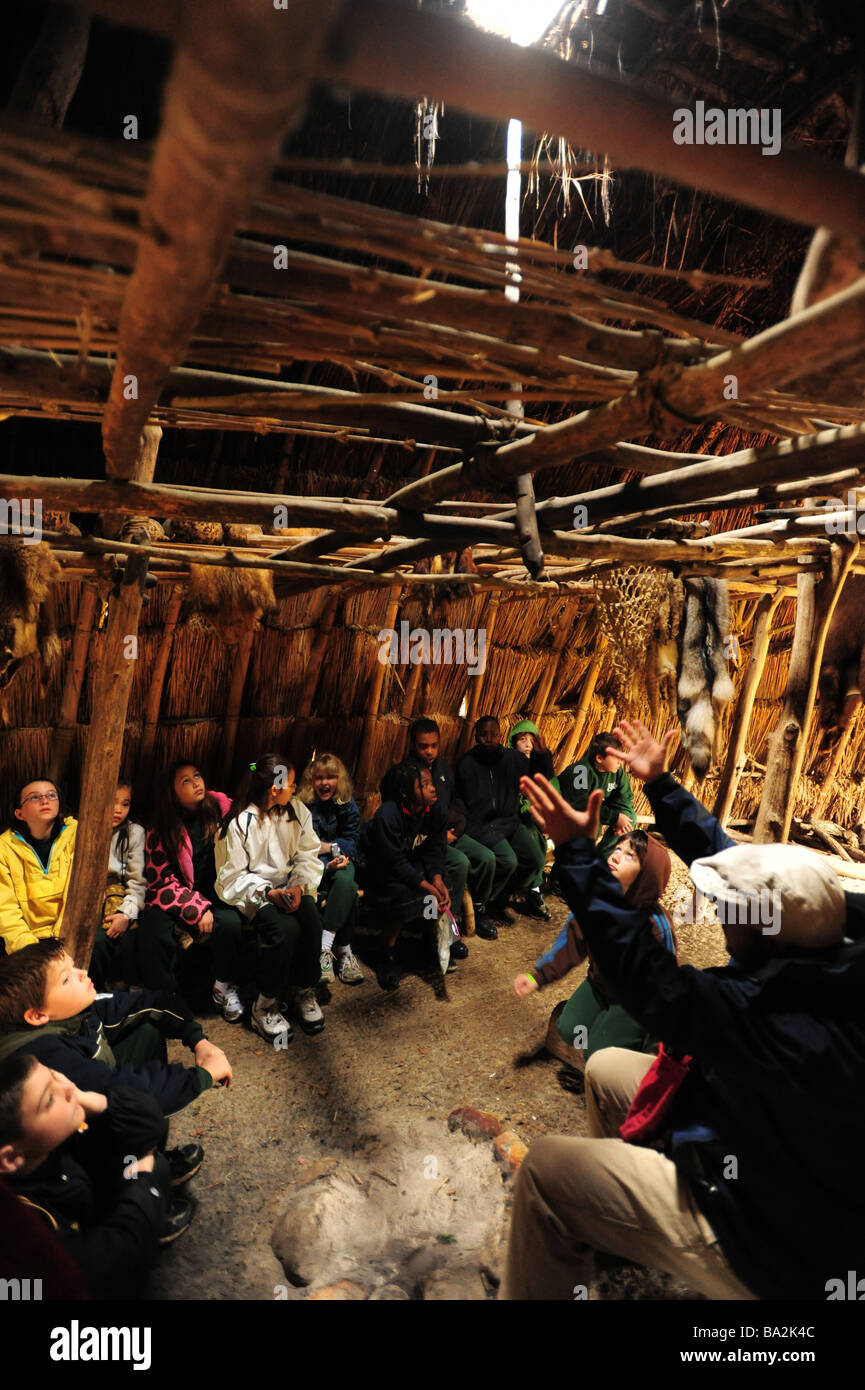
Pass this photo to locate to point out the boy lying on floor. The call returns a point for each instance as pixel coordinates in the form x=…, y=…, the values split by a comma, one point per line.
x=86, y=1164
x=736, y=1169
x=50, y=1009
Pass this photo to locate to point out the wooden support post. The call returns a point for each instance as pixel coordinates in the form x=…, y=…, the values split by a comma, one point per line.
x=50, y=73
x=235, y=697
x=364, y=768
x=111, y=689
x=590, y=681
x=814, y=608
x=819, y=811
x=734, y=763
x=306, y=699
x=65, y=732
x=478, y=682
x=407, y=707
x=546, y=685
x=157, y=680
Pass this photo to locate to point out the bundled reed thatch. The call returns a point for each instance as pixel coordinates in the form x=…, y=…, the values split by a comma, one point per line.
x=230, y=598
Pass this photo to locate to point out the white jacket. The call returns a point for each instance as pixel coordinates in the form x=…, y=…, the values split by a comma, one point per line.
x=260, y=852
x=130, y=870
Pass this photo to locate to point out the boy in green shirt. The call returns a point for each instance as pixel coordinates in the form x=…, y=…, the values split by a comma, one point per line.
x=605, y=770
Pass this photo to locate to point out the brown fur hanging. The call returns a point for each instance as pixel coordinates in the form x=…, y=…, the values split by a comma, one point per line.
x=205, y=532
x=26, y=627
x=231, y=599
x=663, y=655
x=704, y=680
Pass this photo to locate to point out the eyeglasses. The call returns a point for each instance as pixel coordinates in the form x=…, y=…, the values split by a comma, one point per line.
x=40, y=796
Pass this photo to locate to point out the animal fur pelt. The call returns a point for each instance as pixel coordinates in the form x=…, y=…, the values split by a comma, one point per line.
x=26, y=626
x=440, y=594
x=662, y=658
x=230, y=598
x=704, y=684
x=842, y=670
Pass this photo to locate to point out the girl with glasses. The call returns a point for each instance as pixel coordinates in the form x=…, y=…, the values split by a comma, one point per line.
x=35, y=865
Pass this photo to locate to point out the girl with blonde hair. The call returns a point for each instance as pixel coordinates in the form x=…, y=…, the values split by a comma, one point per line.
x=326, y=789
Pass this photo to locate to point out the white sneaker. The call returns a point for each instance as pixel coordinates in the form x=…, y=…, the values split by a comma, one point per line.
x=309, y=1015
x=227, y=1000
x=348, y=969
x=327, y=975
x=269, y=1023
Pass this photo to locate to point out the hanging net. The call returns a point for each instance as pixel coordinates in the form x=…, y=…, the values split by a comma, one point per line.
x=628, y=599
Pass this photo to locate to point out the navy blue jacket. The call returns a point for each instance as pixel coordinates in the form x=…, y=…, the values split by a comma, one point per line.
x=768, y=1129
x=401, y=850
x=80, y=1047
x=490, y=790
x=332, y=820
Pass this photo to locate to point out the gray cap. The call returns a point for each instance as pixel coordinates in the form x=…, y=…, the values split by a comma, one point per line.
x=781, y=890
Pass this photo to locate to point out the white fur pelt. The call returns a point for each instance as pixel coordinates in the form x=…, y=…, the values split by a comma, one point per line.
x=704, y=685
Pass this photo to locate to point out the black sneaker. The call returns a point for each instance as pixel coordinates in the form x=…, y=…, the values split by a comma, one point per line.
x=386, y=971
x=498, y=909
x=184, y=1163
x=180, y=1214
x=459, y=950
x=535, y=907
x=483, y=926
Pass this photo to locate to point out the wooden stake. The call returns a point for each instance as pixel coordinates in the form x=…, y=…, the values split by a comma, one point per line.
x=364, y=770
x=585, y=700
x=828, y=785
x=83, y=912
x=65, y=732
x=734, y=763
x=235, y=697
x=814, y=608
x=157, y=680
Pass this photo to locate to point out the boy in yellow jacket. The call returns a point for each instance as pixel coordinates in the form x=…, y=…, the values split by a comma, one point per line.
x=35, y=866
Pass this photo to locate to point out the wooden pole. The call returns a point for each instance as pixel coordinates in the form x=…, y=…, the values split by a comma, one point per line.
x=589, y=682
x=111, y=688
x=814, y=608
x=407, y=707
x=364, y=767
x=235, y=697
x=479, y=681
x=157, y=680
x=65, y=732
x=734, y=763
x=831, y=772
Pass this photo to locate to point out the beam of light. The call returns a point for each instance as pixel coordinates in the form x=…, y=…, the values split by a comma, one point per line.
x=521, y=21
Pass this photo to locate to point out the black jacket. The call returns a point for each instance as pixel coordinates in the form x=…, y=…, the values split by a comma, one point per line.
x=489, y=788
x=109, y=1224
x=80, y=1047
x=768, y=1129
x=399, y=850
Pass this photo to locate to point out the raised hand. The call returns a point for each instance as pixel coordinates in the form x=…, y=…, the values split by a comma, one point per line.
x=524, y=985
x=645, y=756
x=555, y=817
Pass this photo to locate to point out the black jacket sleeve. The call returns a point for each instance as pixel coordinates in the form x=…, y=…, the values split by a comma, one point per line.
x=170, y=1083
x=348, y=821
x=122, y=1012
x=684, y=822
x=116, y=1253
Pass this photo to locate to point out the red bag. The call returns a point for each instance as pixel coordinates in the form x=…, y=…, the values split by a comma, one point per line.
x=654, y=1096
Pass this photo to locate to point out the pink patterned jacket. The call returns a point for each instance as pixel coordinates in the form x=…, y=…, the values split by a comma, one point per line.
x=165, y=890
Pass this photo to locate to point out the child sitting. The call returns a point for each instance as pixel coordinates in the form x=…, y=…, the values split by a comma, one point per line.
x=35, y=865
x=403, y=851
x=326, y=789
x=268, y=868
x=86, y=1163
x=113, y=948
x=591, y=1018
x=181, y=897
x=50, y=1009
x=522, y=737
x=603, y=766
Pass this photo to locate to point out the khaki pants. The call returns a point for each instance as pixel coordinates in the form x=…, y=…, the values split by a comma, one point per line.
x=576, y=1196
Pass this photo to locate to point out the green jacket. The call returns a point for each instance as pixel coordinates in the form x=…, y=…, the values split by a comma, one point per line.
x=579, y=780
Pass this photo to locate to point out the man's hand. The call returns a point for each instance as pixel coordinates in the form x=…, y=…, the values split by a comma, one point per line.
x=205, y=923
x=624, y=824
x=524, y=985
x=440, y=889
x=214, y=1060
x=116, y=925
x=555, y=817
x=646, y=758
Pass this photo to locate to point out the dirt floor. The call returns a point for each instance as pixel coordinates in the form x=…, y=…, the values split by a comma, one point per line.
x=386, y=1065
